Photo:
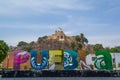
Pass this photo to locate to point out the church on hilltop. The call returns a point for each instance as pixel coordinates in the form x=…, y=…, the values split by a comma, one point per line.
x=57, y=40
x=58, y=35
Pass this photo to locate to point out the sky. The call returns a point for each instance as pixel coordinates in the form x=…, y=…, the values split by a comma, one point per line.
x=26, y=20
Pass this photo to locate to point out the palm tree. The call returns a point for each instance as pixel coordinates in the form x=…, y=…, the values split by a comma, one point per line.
x=81, y=40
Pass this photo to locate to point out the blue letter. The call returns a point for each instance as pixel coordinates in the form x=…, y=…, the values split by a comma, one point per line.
x=70, y=59
x=44, y=60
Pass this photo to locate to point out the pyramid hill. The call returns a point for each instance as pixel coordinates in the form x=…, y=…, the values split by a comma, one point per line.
x=58, y=40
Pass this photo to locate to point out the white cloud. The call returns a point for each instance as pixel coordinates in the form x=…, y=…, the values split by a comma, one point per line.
x=106, y=40
x=40, y=6
x=69, y=32
x=27, y=26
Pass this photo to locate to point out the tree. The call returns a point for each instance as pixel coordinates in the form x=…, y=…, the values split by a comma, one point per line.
x=79, y=45
x=81, y=40
x=44, y=37
x=115, y=49
x=3, y=50
x=73, y=45
x=98, y=47
x=27, y=48
x=41, y=39
x=32, y=43
x=77, y=38
x=22, y=43
x=85, y=40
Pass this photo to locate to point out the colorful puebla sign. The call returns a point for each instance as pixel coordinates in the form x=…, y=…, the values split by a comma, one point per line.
x=63, y=59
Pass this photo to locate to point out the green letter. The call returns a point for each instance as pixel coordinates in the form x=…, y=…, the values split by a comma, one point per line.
x=104, y=62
